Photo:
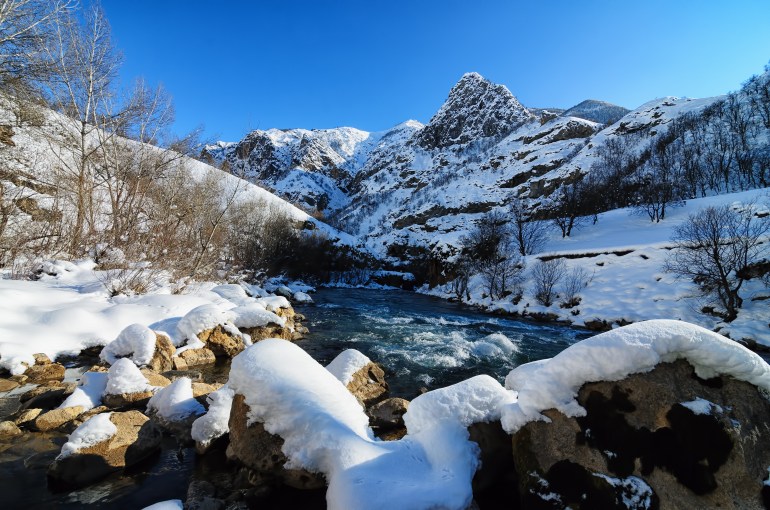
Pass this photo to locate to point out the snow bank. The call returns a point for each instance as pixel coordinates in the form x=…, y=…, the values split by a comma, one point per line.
x=89, y=391
x=254, y=315
x=92, y=431
x=611, y=356
x=347, y=363
x=136, y=341
x=175, y=402
x=215, y=422
x=325, y=430
x=125, y=377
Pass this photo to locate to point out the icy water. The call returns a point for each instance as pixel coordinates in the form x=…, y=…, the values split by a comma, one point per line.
x=421, y=341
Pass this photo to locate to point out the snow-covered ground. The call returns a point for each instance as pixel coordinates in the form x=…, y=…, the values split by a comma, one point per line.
x=624, y=254
x=70, y=310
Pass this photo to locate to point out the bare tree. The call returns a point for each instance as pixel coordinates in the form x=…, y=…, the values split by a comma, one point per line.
x=530, y=235
x=574, y=282
x=546, y=275
x=713, y=247
x=568, y=208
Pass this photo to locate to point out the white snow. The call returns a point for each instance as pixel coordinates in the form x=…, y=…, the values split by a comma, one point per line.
x=175, y=402
x=346, y=364
x=635, y=495
x=254, y=315
x=215, y=422
x=89, y=391
x=302, y=297
x=92, y=431
x=274, y=303
x=431, y=467
x=702, y=406
x=136, y=341
x=171, y=504
x=125, y=377
x=611, y=356
x=202, y=318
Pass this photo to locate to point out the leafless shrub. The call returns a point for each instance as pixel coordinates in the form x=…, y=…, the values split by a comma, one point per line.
x=546, y=275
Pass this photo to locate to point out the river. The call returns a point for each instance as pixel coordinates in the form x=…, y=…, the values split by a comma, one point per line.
x=421, y=341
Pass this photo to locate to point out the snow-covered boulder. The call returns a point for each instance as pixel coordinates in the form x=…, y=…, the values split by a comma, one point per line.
x=654, y=414
x=143, y=346
x=105, y=443
x=363, y=378
x=126, y=385
x=215, y=423
x=302, y=297
x=175, y=408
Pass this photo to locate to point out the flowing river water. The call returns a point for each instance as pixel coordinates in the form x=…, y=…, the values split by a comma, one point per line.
x=421, y=341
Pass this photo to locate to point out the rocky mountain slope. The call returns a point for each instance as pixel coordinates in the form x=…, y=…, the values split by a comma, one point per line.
x=423, y=187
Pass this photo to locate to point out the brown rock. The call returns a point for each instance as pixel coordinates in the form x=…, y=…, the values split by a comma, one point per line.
x=27, y=416
x=164, y=352
x=638, y=427
x=8, y=429
x=39, y=374
x=199, y=388
x=87, y=414
x=8, y=385
x=368, y=384
x=155, y=379
x=180, y=364
x=19, y=378
x=41, y=359
x=261, y=452
x=221, y=342
x=197, y=357
x=389, y=413
x=47, y=397
x=136, y=438
x=56, y=418
x=136, y=400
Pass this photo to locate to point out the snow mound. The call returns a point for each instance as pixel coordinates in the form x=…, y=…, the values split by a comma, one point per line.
x=171, y=504
x=254, y=315
x=347, y=363
x=202, y=318
x=325, y=430
x=175, y=402
x=92, y=431
x=233, y=293
x=302, y=297
x=614, y=355
x=274, y=303
x=125, y=377
x=136, y=341
x=215, y=422
x=89, y=391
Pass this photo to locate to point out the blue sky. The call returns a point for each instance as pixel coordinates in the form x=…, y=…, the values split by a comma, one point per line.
x=237, y=66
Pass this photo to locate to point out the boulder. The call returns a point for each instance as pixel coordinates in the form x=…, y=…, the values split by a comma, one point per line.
x=223, y=343
x=27, y=417
x=664, y=438
x=164, y=352
x=55, y=418
x=39, y=374
x=261, y=452
x=154, y=378
x=8, y=429
x=194, y=358
x=136, y=400
x=136, y=438
x=47, y=397
x=42, y=359
x=201, y=389
x=389, y=413
x=368, y=384
x=271, y=330
x=7, y=385
x=173, y=375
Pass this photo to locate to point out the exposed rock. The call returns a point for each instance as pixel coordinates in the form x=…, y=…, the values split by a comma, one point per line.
x=272, y=330
x=6, y=135
x=597, y=325
x=84, y=416
x=201, y=495
x=27, y=416
x=180, y=365
x=173, y=375
x=195, y=358
x=47, y=397
x=663, y=436
x=222, y=342
x=7, y=385
x=261, y=452
x=136, y=400
x=495, y=453
x=44, y=373
x=42, y=359
x=8, y=429
x=136, y=438
x=368, y=384
x=389, y=413
x=164, y=352
x=55, y=418
x=200, y=388
x=19, y=378
x=154, y=378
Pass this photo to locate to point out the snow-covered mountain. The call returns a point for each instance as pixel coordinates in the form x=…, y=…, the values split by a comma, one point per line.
x=421, y=188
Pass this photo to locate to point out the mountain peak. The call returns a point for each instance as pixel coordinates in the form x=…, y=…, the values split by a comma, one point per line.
x=476, y=108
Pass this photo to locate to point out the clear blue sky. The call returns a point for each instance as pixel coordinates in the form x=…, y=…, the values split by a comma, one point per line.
x=236, y=66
